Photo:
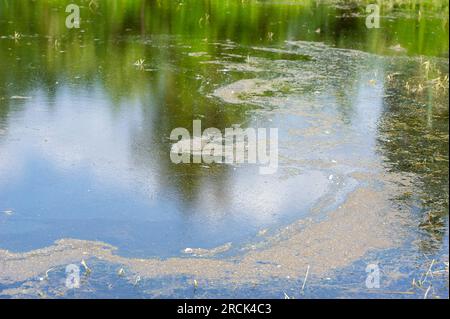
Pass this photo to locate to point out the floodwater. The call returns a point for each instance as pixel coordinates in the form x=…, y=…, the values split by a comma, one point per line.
x=85, y=170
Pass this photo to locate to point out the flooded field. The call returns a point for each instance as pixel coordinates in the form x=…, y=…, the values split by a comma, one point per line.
x=86, y=177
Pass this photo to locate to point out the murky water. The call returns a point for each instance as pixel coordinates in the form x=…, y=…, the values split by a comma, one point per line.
x=84, y=138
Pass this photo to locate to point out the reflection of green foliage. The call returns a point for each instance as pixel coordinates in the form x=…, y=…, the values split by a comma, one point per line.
x=246, y=22
x=115, y=34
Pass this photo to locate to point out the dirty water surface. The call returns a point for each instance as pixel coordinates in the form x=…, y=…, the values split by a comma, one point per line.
x=86, y=176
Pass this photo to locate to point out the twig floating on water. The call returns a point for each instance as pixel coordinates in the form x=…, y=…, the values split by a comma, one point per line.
x=306, y=277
